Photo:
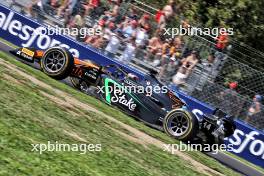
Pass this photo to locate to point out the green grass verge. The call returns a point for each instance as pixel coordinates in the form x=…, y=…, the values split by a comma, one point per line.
x=28, y=117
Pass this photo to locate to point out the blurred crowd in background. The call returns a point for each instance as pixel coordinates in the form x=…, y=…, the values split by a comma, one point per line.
x=131, y=35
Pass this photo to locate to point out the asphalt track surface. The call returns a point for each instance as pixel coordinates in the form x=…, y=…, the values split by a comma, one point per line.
x=221, y=157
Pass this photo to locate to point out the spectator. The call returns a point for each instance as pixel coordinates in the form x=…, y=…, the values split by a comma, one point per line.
x=142, y=35
x=129, y=52
x=132, y=15
x=168, y=49
x=187, y=66
x=180, y=77
x=144, y=21
x=169, y=63
x=185, y=23
x=113, y=44
x=160, y=18
x=54, y=3
x=90, y=5
x=209, y=64
x=154, y=47
x=35, y=5
x=229, y=100
x=130, y=29
x=254, y=108
x=102, y=22
x=165, y=14
x=97, y=41
x=108, y=32
x=190, y=61
x=169, y=9
x=50, y=5
x=114, y=12
x=178, y=42
x=63, y=6
x=78, y=21
x=67, y=9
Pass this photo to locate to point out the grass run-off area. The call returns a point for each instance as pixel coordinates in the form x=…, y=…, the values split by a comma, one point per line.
x=28, y=117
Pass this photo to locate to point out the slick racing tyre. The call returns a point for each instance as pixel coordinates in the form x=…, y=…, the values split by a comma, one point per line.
x=181, y=125
x=57, y=63
x=75, y=82
x=80, y=84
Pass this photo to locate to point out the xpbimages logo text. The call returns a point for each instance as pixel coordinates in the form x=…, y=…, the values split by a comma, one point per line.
x=148, y=90
x=30, y=35
x=81, y=32
x=64, y=147
x=183, y=147
x=191, y=31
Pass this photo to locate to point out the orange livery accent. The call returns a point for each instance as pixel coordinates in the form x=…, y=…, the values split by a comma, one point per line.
x=176, y=102
x=39, y=53
x=84, y=63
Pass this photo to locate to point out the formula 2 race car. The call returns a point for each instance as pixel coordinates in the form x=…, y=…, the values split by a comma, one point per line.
x=145, y=99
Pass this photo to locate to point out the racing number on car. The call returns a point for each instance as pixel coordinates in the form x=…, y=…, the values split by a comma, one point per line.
x=207, y=125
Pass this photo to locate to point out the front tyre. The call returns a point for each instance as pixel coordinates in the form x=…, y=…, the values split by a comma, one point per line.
x=57, y=63
x=181, y=124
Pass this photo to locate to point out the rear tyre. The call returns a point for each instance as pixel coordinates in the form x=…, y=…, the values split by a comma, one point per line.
x=80, y=85
x=181, y=124
x=57, y=63
x=75, y=82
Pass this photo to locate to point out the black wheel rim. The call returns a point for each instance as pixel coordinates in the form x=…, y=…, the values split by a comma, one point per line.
x=54, y=61
x=84, y=87
x=178, y=124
